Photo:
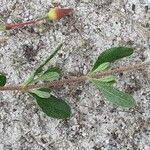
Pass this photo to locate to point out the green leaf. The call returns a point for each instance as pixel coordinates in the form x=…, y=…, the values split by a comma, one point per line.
x=50, y=74
x=39, y=69
x=53, y=69
x=42, y=92
x=48, y=59
x=102, y=67
x=2, y=80
x=112, y=54
x=107, y=79
x=29, y=79
x=115, y=96
x=53, y=107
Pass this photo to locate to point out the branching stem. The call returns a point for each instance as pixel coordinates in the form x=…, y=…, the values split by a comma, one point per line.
x=59, y=83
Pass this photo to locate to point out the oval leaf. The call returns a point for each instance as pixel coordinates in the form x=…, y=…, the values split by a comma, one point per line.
x=2, y=80
x=102, y=67
x=42, y=92
x=53, y=107
x=114, y=96
x=112, y=54
x=50, y=74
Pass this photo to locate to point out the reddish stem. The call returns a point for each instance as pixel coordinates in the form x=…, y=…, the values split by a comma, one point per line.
x=18, y=25
x=59, y=83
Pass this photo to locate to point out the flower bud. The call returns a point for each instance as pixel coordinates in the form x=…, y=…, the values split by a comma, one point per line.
x=58, y=13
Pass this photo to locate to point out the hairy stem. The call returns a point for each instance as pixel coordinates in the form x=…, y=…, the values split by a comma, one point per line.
x=18, y=25
x=62, y=82
x=120, y=70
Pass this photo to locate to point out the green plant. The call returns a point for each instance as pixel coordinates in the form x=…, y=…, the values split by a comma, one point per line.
x=101, y=75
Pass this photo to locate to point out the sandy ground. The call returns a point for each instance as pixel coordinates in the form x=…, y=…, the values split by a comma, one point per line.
x=94, y=124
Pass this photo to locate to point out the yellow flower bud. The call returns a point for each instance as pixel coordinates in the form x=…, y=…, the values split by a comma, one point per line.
x=58, y=13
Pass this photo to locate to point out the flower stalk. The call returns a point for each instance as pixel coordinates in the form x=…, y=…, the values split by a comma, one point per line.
x=53, y=15
x=19, y=25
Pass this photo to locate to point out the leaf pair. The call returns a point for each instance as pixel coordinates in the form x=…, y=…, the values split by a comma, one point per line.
x=104, y=84
x=52, y=106
x=57, y=108
x=39, y=73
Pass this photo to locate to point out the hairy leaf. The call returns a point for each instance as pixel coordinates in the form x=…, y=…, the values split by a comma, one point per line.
x=115, y=96
x=111, y=55
x=53, y=107
x=2, y=80
x=42, y=92
x=50, y=74
x=102, y=67
x=107, y=79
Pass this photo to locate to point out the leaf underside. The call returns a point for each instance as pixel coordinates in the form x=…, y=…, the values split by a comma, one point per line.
x=102, y=67
x=42, y=92
x=50, y=74
x=115, y=96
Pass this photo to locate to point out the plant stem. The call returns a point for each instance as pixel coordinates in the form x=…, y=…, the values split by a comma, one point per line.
x=39, y=68
x=120, y=70
x=18, y=25
x=62, y=82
